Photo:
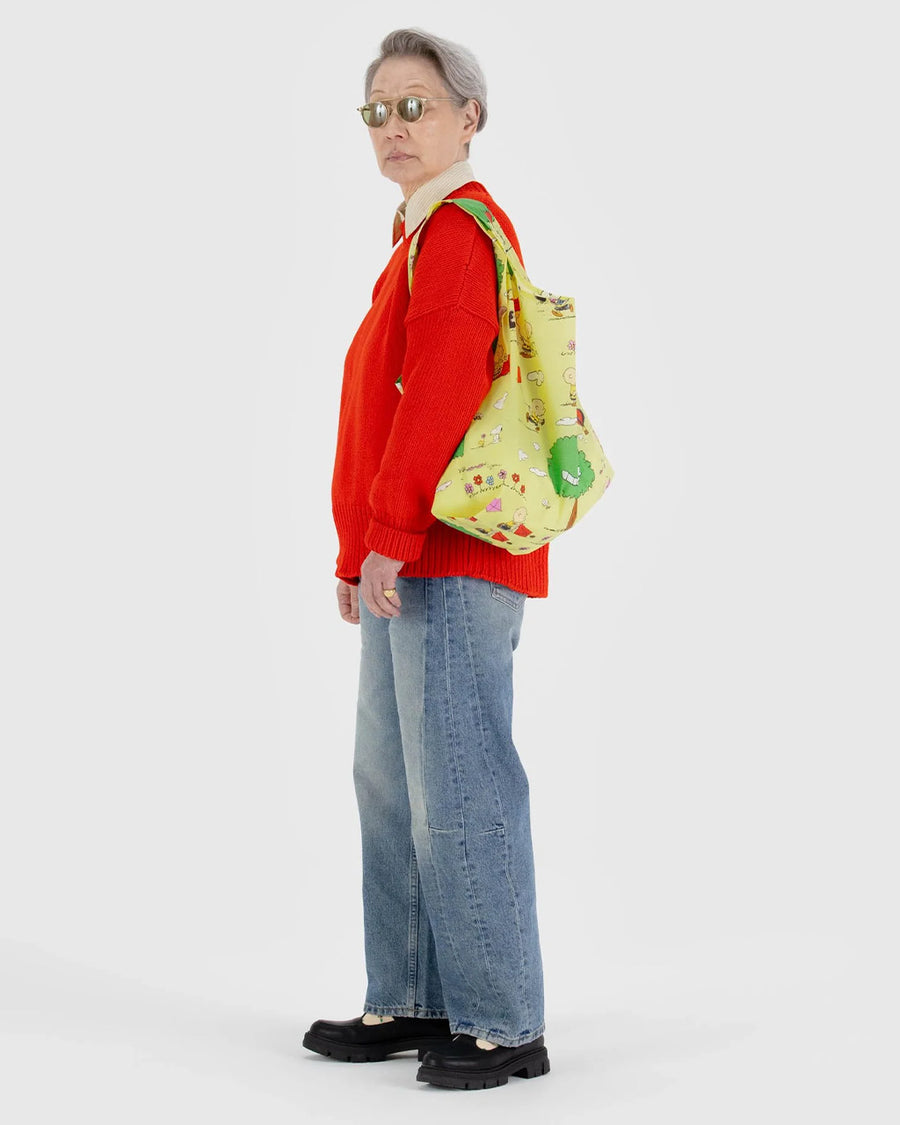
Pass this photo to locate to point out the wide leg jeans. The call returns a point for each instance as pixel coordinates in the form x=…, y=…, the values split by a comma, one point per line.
x=448, y=883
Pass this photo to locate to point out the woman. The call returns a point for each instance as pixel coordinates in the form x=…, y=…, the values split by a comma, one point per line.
x=452, y=949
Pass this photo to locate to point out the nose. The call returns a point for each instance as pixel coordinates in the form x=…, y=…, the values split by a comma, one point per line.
x=395, y=125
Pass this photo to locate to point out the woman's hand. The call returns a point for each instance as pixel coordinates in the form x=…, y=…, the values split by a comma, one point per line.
x=377, y=574
x=348, y=602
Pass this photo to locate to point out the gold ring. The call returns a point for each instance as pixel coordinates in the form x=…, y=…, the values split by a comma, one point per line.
x=389, y=593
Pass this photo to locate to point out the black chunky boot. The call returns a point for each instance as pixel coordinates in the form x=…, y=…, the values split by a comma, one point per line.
x=464, y=1065
x=355, y=1041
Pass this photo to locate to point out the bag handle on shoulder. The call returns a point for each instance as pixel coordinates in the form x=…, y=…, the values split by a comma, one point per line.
x=504, y=252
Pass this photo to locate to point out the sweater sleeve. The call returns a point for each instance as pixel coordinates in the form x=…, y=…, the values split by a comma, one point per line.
x=451, y=327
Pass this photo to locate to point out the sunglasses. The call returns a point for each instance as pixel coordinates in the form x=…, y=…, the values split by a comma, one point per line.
x=376, y=114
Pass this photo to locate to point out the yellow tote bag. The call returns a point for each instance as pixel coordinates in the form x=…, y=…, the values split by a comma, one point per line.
x=530, y=465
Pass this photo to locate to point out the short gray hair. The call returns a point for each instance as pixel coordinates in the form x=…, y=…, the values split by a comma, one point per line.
x=457, y=66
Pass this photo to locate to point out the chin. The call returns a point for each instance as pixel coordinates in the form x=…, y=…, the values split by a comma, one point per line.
x=400, y=173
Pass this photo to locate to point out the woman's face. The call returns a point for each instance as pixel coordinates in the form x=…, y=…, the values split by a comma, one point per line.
x=413, y=152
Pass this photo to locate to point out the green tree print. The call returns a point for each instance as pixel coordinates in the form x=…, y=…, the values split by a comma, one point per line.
x=570, y=471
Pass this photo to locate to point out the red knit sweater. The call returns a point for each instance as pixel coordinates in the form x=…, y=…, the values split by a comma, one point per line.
x=393, y=448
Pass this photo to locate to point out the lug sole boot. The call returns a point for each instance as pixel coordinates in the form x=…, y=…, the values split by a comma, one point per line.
x=463, y=1065
x=355, y=1041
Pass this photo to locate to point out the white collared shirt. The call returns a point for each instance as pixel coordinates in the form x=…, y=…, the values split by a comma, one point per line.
x=414, y=210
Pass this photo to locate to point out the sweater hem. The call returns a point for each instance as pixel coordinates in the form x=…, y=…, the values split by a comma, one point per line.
x=446, y=552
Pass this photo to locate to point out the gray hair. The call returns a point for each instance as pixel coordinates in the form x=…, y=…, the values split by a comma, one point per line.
x=456, y=65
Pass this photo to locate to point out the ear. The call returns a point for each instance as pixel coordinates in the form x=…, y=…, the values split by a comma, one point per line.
x=472, y=113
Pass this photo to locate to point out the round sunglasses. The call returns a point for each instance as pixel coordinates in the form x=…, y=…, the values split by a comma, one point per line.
x=376, y=114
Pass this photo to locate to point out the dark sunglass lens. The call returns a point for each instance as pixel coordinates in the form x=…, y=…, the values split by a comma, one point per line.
x=410, y=109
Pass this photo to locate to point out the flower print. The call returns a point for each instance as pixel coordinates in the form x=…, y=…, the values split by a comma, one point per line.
x=502, y=474
x=516, y=477
x=469, y=488
x=489, y=481
x=478, y=479
x=571, y=345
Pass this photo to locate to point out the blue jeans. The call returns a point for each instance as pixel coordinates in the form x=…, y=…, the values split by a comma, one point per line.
x=449, y=905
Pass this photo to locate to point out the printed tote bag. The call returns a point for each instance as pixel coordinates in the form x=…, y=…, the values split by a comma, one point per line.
x=530, y=465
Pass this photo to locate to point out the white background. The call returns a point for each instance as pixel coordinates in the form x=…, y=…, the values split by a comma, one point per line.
x=706, y=704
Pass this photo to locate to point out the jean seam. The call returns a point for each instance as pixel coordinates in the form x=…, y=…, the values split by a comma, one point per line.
x=440, y=584
x=512, y=889
x=506, y=864
x=477, y=905
x=413, y=964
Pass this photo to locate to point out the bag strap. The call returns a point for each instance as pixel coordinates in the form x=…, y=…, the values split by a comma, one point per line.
x=504, y=254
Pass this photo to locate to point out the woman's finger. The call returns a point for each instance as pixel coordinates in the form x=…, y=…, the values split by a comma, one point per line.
x=387, y=605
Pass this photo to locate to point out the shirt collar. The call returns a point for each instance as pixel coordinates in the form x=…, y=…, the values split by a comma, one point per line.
x=414, y=210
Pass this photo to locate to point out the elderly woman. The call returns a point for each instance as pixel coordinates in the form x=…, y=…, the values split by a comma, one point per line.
x=452, y=950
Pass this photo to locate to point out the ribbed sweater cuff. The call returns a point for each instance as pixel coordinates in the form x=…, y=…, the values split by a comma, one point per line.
x=394, y=544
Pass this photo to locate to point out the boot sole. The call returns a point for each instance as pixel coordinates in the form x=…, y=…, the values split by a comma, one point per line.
x=527, y=1066
x=372, y=1052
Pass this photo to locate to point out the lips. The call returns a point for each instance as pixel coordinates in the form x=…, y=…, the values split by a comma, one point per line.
x=399, y=156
